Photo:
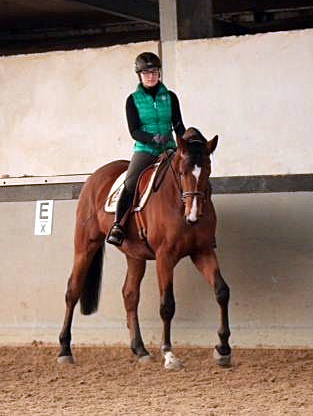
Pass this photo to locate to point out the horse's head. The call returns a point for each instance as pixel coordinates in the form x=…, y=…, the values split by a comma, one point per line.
x=194, y=167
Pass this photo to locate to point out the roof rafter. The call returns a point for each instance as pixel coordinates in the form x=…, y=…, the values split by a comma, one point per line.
x=138, y=10
x=228, y=6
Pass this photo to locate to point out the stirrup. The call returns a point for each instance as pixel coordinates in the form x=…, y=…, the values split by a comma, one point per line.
x=116, y=235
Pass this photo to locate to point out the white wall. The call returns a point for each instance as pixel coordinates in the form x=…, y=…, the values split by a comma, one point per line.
x=265, y=244
x=63, y=112
x=256, y=93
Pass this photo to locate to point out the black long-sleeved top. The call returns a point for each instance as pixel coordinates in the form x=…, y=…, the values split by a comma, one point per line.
x=133, y=119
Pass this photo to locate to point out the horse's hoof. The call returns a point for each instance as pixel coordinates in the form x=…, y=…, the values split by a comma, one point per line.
x=222, y=360
x=65, y=359
x=171, y=362
x=145, y=359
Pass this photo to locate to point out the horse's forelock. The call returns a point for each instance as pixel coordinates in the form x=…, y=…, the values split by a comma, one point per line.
x=196, y=147
x=193, y=135
x=196, y=153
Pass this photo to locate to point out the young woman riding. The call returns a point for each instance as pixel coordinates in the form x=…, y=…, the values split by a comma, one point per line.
x=152, y=113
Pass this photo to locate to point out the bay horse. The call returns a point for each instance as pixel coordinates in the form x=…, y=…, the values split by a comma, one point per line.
x=180, y=221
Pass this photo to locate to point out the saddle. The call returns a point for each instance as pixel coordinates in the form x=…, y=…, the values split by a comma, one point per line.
x=149, y=181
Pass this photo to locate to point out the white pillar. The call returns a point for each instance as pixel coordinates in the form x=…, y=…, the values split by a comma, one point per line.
x=168, y=32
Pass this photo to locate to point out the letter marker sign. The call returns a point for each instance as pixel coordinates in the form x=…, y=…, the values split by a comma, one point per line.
x=43, y=220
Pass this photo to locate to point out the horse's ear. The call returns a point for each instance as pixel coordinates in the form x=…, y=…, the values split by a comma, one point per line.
x=212, y=144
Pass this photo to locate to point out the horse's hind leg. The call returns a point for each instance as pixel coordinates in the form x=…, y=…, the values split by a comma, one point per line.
x=71, y=299
x=75, y=287
x=208, y=265
x=131, y=293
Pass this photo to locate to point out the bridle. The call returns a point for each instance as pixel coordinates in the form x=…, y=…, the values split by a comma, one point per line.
x=202, y=196
x=198, y=194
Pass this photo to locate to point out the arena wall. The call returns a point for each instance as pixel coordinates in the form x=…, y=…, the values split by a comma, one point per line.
x=63, y=113
x=62, y=116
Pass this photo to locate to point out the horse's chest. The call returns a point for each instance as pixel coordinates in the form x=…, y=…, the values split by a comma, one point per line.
x=188, y=242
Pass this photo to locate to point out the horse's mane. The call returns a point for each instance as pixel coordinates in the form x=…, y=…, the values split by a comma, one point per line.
x=196, y=147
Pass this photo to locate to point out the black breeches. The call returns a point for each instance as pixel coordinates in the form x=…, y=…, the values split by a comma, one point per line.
x=139, y=161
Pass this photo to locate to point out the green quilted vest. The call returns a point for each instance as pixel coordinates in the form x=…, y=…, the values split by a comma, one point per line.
x=155, y=117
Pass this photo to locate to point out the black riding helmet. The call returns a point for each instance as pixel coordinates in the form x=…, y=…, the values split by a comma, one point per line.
x=147, y=60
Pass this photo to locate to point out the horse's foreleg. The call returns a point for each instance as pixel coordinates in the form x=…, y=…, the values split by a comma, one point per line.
x=167, y=309
x=131, y=292
x=208, y=265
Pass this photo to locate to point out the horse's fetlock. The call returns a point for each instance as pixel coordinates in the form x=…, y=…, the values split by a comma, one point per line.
x=65, y=339
x=223, y=349
x=166, y=348
x=138, y=348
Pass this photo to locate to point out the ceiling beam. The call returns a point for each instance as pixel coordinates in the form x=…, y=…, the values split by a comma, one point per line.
x=229, y=6
x=138, y=10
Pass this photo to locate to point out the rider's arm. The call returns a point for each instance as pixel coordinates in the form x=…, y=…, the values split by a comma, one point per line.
x=176, y=115
x=133, y=122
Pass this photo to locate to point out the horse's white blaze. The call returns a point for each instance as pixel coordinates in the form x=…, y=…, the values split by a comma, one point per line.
x=192, y=217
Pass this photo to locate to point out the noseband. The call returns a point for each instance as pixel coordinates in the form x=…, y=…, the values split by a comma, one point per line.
x=189, y=194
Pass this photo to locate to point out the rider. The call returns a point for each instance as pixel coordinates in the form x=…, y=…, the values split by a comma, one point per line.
x=152, y=112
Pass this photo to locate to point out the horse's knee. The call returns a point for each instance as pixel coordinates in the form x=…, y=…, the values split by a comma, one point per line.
x=72, y=293
x=131, y=299
x=222, y=291
x=167, y=306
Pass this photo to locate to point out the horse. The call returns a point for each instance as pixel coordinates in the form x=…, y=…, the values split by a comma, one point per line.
x=180, y=221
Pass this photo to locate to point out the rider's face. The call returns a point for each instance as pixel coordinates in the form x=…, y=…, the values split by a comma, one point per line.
x=150, y=77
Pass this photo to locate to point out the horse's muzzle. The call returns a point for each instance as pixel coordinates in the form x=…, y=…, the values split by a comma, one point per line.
x=191, y=222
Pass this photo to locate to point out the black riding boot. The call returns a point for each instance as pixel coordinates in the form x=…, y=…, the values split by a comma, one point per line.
x=117, y=233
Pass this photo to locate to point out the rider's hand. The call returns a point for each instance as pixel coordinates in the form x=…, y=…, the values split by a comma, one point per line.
x=164, y=138
x=160, y=138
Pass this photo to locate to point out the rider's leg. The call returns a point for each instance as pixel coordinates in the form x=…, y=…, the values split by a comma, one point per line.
x=138, y=163
x=117, y=233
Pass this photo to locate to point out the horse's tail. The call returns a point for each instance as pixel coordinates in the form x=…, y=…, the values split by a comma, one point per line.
x=89, y=298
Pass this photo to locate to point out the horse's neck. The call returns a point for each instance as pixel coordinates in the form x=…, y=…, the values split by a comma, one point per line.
x=171, y=186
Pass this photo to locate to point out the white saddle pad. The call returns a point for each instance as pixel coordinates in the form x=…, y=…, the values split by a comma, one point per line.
x=115, y=191
x=117, y=187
